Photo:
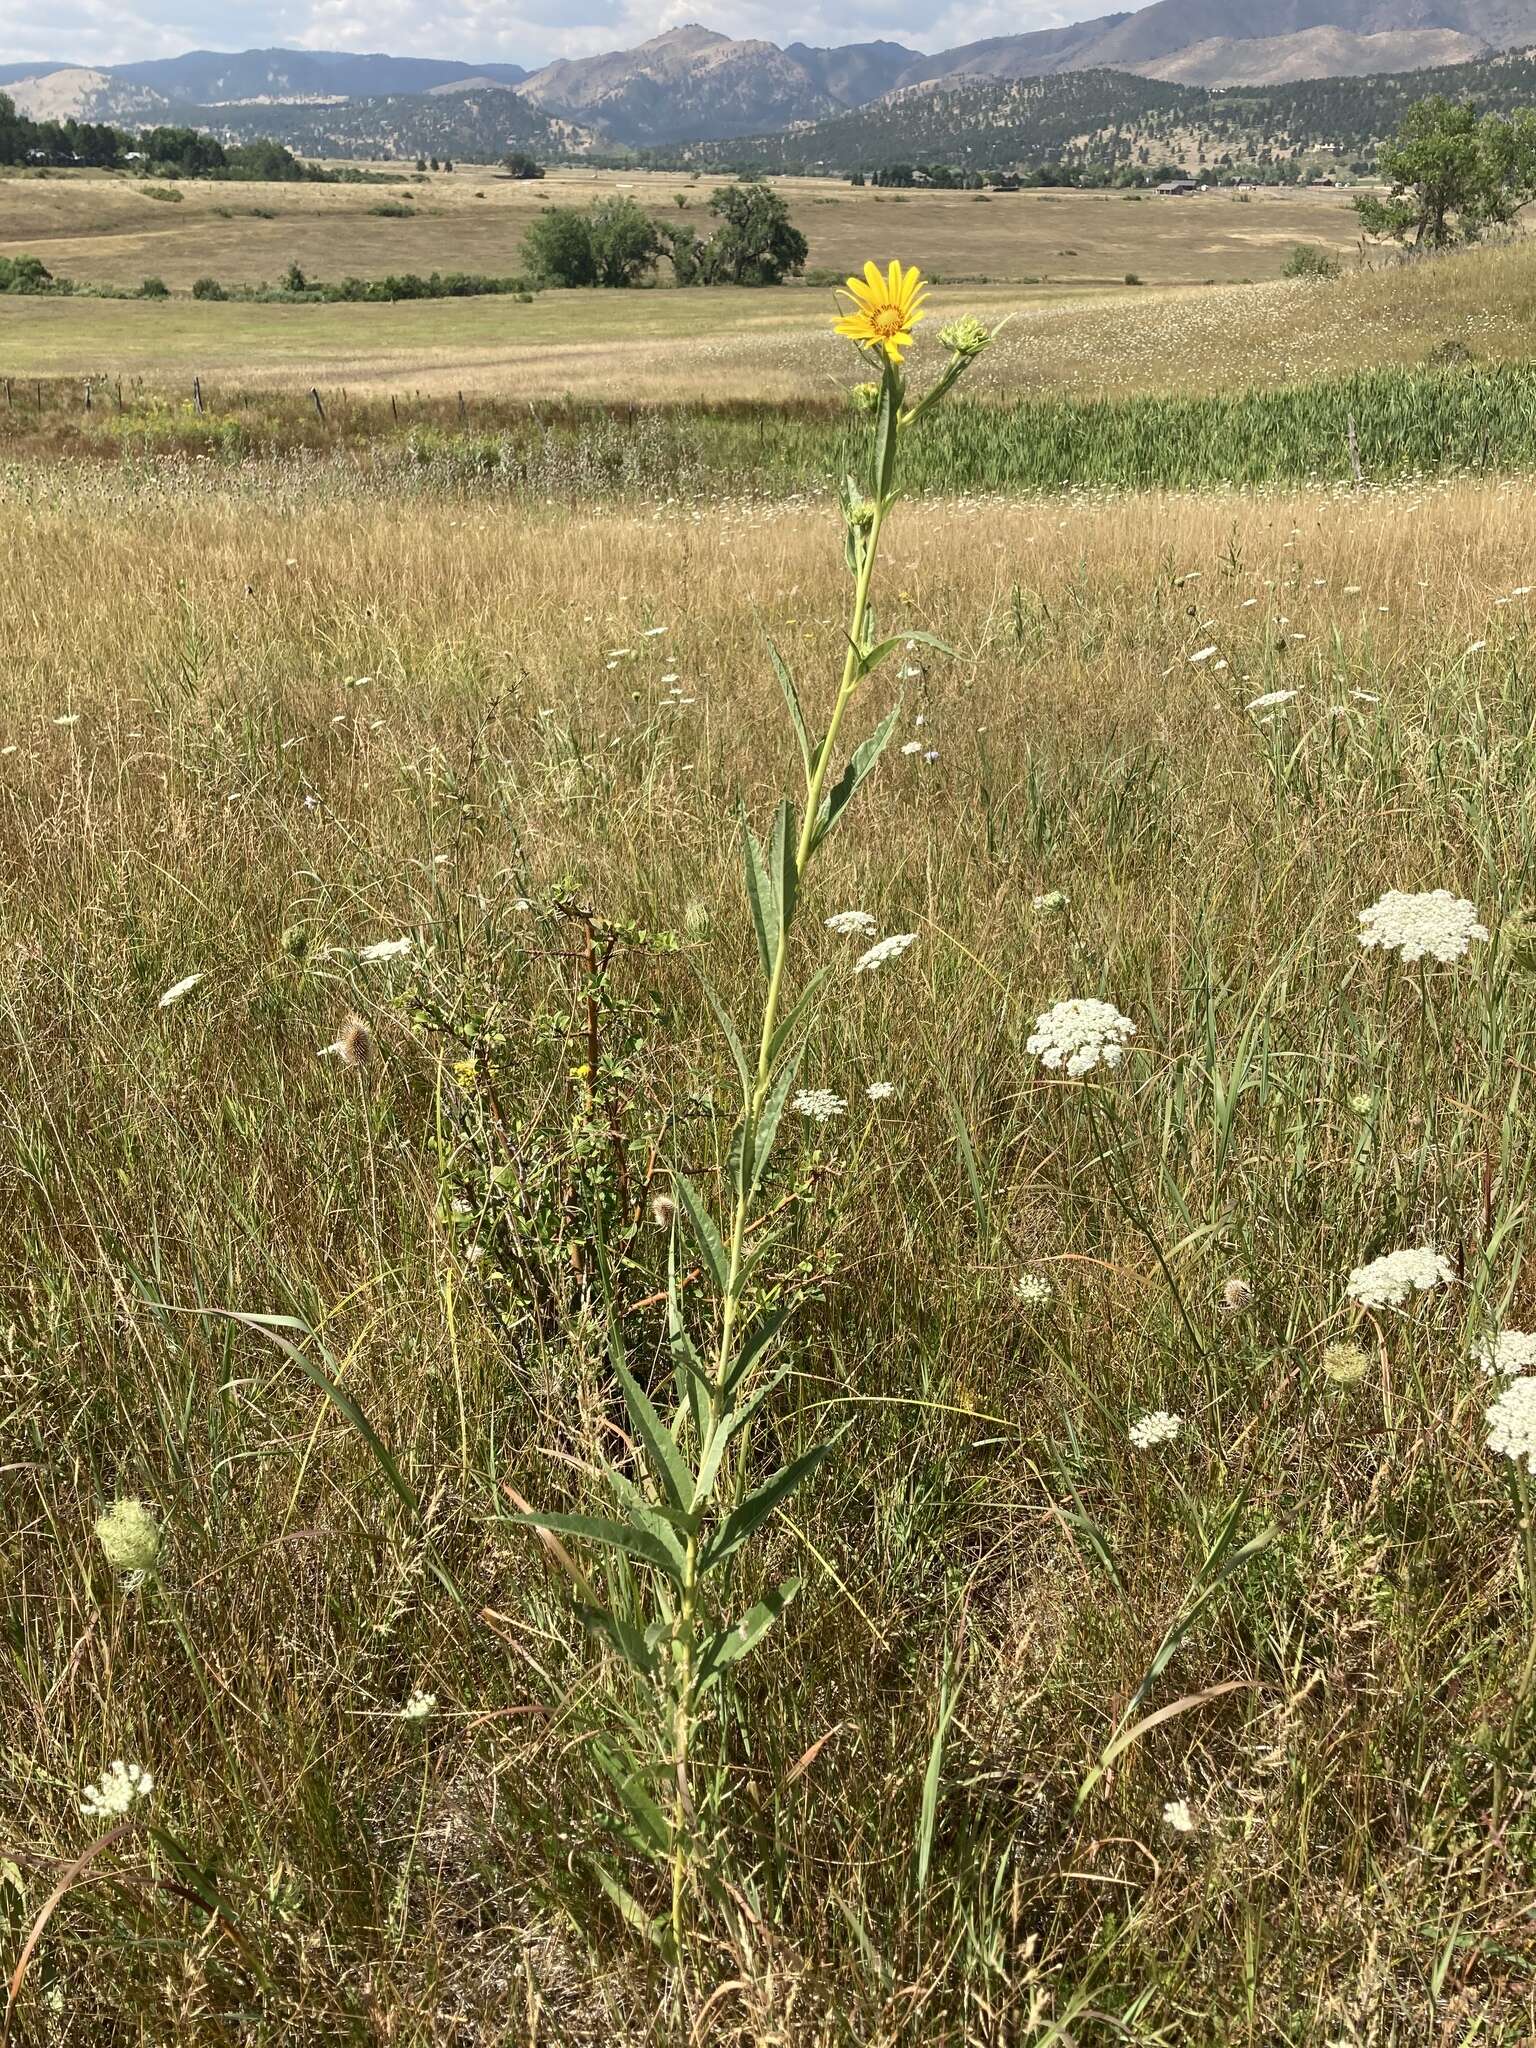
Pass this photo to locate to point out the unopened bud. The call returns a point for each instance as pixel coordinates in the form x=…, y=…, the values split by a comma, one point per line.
x=967, y=337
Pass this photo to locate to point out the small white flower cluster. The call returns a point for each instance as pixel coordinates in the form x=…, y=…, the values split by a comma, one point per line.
x=1176, y=1815
x=1050, y=903
x=852, y=924
x=178, y=989
x=421, y=1706
x=119, y=1788
x=1032, y=1290
x=1506, y=1356
x=1389, y=1281
x=880, y=1091
x=1080, y=1034
x=1270, y=699
x=1512, y=1423
x=882, y=951
x=386, y=949
x=1160, y=1427
x=1435, y=923
x=819, y=1104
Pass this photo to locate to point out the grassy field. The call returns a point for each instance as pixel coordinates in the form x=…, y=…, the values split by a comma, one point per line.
x=260, y=719
x=109, y=229
x=665, y=346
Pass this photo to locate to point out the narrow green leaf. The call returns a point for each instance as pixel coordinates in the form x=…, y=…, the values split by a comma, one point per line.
x=621, y=1636
x=637, y=1801
x=760, y=896
x=660, y=1445
x=794, y=1016
x=687, y=1366
x=744, y=1521
x=929, y=1809
x=860, y=764
x=704, y=1231
x=732, y=1421
x=655, y=1522
x=727, y=1649
x=870, y=658
x=796, y=715
x=650, y=1928
x=768, y=1122
x=753, y=1345
x=732, y=1038
x=782, y=871
x=635, y=1542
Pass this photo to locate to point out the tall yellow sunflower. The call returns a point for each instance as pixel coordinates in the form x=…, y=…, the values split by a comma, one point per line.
x=886, y=308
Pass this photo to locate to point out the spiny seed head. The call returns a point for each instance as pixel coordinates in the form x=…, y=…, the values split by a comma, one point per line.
x=129, y=1536
x=966, y=338
x=663, y=1211
x=865, y=397
x=1236, y=1296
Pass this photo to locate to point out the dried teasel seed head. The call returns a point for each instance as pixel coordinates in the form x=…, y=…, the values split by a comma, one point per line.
x=663, y=1210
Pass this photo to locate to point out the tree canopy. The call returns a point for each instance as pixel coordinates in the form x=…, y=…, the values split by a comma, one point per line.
x=1454, y=174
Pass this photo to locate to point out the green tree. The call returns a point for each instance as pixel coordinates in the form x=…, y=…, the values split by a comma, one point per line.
x=558, y=248
x=625, y=242
x=756, y=242
x=1454, y=175
x=517, y=163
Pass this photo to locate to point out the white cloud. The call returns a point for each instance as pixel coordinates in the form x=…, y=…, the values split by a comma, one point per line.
x=531, y=32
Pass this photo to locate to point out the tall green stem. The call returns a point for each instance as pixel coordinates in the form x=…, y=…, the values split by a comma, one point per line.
x=725, y=1352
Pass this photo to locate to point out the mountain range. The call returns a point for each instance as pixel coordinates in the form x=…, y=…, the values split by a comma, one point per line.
x=695, y=85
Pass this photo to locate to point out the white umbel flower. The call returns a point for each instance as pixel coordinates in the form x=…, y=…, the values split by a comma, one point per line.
x=1506, y=1356
x=421, y=1706
x=1512, y=1423
x=1433, y=923
x=884, y=950
x=880, y=1091
x=1160, y=1427
x=1080, y=1034
x=820, y=1105
x=116, y=1792
x=178, y=989
x=852, y=924
x=1271, y=699
x=1032, y=1290
x=1176, y=1815
x=1391, y=1280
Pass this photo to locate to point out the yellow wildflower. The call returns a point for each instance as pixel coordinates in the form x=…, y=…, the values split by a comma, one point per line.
x=886, y=308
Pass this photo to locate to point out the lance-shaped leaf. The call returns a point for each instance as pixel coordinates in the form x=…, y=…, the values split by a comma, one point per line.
x=796, y=715
x=860, y=764
x=657, y=1441
x=633, y=1540
x=627, y=1782
x=726, y=1649
x=687, y=1366
x=754, y=1343
x=730, y=1424
x=768, y=1122
x=704, y=1231
x=887, y=428
x=783, y=873
x=744, y=1521
x=732, y=1038
x=795, y=1015
x=621, y=1636
x=656, y=1522
x=870, y=658
x=650, y=1927
x=761, y=896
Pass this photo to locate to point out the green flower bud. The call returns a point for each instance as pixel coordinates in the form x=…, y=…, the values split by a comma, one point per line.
x=967, y=337
x=129, y=1536
x=866, y=397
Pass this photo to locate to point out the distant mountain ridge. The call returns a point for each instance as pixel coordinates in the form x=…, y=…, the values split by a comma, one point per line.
x=695, y=85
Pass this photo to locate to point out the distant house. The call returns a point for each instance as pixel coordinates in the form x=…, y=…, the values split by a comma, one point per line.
x=1178, y=188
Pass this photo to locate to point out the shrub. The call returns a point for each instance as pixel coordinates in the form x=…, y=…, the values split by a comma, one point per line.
x=1307, y=259
x=154, y=288
x=25, y=274
x=208, y=288
x=1131, y=277
x=392, y=209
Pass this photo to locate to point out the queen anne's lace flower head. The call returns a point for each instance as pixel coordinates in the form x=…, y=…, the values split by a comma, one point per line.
x=1080, y=1034
x=1388, y=1282
x=1032, y=1290
x=1176, y=1815
x=116, y=1792
x=1509, y=1353
x=884, y=950
x=1160, y=1427
x=1512, y=1422
x=880, y=1091
x=819, y=1104
x=1435, y=923
x=852, y=924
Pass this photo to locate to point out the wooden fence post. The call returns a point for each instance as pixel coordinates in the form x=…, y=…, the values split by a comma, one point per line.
x=319, y=408
x=197, y=393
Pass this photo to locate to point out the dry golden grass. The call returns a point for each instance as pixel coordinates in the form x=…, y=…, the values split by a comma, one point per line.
x=103, y=229
x=243, y=704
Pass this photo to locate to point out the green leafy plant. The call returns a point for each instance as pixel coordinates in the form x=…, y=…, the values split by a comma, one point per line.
x=684, y=1512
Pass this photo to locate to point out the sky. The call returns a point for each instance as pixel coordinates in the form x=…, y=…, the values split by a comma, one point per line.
x=526, y=32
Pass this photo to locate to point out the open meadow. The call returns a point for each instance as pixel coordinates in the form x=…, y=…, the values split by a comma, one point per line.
x=632, y=1422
